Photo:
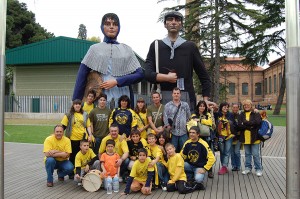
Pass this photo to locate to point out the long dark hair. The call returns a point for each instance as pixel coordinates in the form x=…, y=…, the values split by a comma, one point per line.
x=137, y=110
x=124, y=98
x=164, y=135
x=197, y=108
x=72, y=110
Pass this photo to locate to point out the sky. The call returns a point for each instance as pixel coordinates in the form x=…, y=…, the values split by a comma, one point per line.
x=138, y=19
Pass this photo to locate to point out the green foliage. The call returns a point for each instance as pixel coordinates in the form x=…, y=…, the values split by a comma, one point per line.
x=94, y=39
x=21, y=27
x=27, y=133
x=82, y=32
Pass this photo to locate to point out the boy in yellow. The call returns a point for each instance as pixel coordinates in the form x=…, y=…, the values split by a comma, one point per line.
x=121, y=147
x=85, y=160
x=88, y=105
x=141, y=175
x=57, y=149
x=157, y=159
x=198, y=157
x=175, y=167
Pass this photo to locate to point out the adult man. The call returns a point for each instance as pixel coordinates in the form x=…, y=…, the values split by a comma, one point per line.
x=155, y=114
x=116, y=62
x=99, y=118
x=121, y=147
x=57, y=149
x=177, y=60
x=176, y=114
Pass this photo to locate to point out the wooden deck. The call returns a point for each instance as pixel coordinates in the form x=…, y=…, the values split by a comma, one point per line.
x=25, y=177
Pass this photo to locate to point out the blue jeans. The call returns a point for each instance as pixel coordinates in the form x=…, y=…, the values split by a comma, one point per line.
x=252, y=150
x=178, y=141
x=225, y=149
x=163, y=174
x=110, y=180
x=63, y=168
x=236, y=155
x=192, y=173
x=97, y=145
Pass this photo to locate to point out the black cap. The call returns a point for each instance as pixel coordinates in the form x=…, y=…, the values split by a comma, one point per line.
x=173, y=14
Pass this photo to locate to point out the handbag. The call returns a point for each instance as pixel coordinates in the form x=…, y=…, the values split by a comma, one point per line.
x=204, y=130
x=158, y=89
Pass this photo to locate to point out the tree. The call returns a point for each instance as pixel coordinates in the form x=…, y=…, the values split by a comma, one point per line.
x=21, y=27
x=94, y=39
x=82, y=32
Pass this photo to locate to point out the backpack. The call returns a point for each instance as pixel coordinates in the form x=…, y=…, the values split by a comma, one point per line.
x=265, y=131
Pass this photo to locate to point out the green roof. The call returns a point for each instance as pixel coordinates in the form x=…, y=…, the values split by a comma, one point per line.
x=50, y=51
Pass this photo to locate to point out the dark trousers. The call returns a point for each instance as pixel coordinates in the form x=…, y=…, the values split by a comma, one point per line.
x=181, y=186
x=75, y=144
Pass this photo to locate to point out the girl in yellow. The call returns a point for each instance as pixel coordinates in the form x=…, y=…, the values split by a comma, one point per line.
x=141, y=116
x=76, y=123
x=175, y=167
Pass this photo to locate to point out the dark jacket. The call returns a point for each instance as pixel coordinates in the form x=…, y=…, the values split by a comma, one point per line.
x=252, y=125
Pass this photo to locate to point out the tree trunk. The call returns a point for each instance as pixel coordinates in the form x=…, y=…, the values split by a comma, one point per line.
x=281, y=94
x=217, y=47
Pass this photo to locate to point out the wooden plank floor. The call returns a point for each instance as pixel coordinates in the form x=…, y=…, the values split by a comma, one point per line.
x=25, y=177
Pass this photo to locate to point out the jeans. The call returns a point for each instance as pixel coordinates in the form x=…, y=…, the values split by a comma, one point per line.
x=63, y=168
x=178, y=141
x=163, y=174
x=97, y=145
x=192, y=172
x=110, y=180
x=236, y=155
x=225, y=149
x=124, y=168
x=252, y=150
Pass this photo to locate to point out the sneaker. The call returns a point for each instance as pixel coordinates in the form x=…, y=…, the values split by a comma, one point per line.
x=246, y=171
x=223, y=170
x=235, y=169
x=200, y=186
x=120, y=180
x=259, y=173
x=49, y=184
x=79, y=184
x=210, y=174
x=61, y=179
x=163, y=186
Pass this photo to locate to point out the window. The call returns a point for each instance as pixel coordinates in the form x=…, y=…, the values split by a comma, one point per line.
x=244, y=88
x=270, y=85
x=280, y=79
x=231, y=88
x=265, y=86
x=257, y=88
x=275, y=87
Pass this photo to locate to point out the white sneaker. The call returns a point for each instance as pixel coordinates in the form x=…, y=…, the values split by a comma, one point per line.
x=79, y=184
x=259, y=173
x=246, y=171
x=120, y=180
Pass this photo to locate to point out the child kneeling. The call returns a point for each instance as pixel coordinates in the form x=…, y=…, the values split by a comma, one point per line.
x=141, y=175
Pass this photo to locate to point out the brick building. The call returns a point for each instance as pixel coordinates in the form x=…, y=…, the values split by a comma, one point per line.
x=260, y=85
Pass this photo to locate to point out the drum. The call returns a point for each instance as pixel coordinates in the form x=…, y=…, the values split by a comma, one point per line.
x=94, y=79
x=92, y=181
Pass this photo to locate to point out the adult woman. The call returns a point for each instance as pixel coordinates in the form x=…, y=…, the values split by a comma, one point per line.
x=123, y=116
x=225, y=124
x=141, y=113
x=249, y=123
x=76, y=123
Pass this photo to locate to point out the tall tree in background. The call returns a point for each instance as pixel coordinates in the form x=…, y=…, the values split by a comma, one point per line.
x=82, y=32
x=21, y=29
x=94, y=39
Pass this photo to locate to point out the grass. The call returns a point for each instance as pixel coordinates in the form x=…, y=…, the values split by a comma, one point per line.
x=27, y=133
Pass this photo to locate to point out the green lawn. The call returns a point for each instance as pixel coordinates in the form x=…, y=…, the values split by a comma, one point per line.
x=27, y=133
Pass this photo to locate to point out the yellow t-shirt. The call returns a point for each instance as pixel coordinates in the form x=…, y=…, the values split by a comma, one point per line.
x=140, y=170
x=248, y=133
x=78, y=128
x=155, y=152
x=88, y=107
x=140, y=124
x=120, y=147
x=63, y=145
x=174, y=162
x=81, y=160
